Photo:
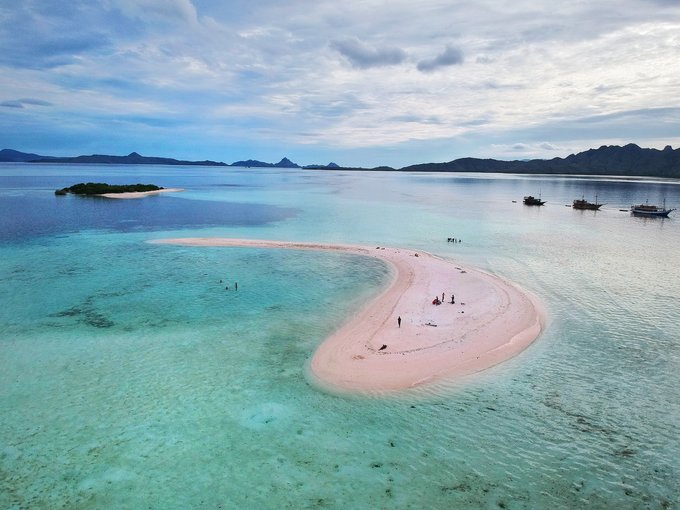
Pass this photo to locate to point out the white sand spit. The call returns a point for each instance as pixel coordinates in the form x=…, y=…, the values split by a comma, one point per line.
x=140, y=194
x=491, y=320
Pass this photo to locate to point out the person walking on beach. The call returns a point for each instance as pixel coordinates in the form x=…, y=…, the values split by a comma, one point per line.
x=399, y=321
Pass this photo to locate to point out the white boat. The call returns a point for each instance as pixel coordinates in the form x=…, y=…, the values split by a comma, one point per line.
x=650, y=210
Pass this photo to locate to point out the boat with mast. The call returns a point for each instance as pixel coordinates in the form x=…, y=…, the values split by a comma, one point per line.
x=584, y=204
x=650, y=210
x=530, y=200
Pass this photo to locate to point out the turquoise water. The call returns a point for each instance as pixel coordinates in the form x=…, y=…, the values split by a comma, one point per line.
x=130, y=378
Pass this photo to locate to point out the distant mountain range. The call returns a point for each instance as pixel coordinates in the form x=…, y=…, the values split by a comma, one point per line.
x=12, y=156
x=131, y=159
x=629, y=160
x=284, y=163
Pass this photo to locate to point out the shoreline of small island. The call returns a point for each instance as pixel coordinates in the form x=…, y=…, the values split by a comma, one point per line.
x=102, y=189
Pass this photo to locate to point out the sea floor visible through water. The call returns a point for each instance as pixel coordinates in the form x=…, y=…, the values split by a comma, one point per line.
x=131, y=377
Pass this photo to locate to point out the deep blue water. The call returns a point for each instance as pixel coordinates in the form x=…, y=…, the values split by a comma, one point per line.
x=27, y=212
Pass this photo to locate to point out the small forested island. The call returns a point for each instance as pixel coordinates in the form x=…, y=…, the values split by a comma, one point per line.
x=100, y=188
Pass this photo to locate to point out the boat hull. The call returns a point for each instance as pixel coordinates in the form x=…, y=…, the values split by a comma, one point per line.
x=533, y=201
x=650, y=210
x=583, y=204
x=661, y=214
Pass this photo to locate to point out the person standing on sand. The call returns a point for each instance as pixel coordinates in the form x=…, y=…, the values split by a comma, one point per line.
x=399, y=321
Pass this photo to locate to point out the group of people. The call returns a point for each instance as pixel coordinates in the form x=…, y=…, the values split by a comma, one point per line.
x=453, y=240
x=227, y=287
x=437, y=301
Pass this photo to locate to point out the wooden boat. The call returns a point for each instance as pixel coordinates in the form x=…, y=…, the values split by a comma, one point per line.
x=650, y=210
x=584, y=204
x=529, y=200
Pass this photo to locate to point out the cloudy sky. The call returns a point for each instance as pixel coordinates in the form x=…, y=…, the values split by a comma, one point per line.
x=366, y=83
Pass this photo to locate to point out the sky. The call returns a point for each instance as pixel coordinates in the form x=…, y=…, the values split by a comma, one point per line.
x=359, y=83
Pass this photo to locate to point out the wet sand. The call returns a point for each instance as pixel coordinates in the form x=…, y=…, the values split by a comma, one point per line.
x=491, y=321
x=140, y=194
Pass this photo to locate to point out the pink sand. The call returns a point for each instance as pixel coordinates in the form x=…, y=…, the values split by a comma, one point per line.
x=140, y=194
x=491, y=321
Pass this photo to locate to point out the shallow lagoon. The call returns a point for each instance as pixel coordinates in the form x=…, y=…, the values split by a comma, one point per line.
x=131, y=377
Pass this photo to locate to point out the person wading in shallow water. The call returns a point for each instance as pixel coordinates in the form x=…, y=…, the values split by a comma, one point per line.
x=399, y=321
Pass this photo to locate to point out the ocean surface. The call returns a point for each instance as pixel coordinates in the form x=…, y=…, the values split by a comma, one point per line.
x=130, y=377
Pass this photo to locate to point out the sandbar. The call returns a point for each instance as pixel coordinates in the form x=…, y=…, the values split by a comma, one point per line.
x=491, y=321
x=140, y=194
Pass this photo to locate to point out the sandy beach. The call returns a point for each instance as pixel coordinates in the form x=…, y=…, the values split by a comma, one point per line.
x=491, y=321
x=140, y=194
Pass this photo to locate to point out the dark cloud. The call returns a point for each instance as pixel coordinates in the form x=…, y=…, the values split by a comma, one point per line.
x=475, y=122
x=363, y=56
x=35, y=102
x=19, y=103
x=416, y=119
x=12, y=104
x=450, y=56
x=340, y=106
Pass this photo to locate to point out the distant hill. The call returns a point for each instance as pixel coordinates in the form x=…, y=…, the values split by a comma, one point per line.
x=284, y=163
x=12, y=156
x=131, y=159
x=607, y=160
x=629, y=160
x=330, y=166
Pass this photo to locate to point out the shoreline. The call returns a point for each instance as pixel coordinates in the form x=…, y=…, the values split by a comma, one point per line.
x=492, y=320
x=140, y=194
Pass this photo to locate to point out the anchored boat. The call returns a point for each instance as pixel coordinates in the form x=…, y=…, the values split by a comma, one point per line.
x=529, y=200
x=650, y=210
x=584, y=204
